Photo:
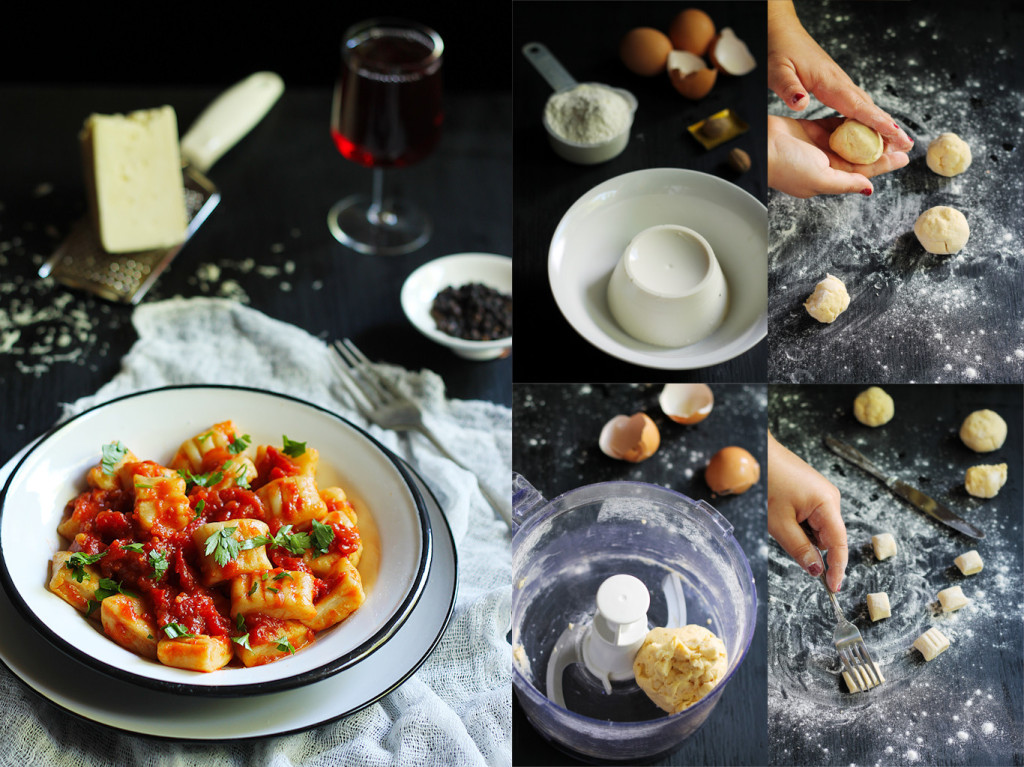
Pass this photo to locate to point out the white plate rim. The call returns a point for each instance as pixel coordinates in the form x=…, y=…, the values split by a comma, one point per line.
x=334, y=666
x=275, y=702
x=644, y=355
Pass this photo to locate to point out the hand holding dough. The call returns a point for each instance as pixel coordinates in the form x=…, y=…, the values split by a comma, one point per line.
x=856, y=143
x=942, y=230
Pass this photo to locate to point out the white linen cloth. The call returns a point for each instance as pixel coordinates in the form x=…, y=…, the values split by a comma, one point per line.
x=456, y=710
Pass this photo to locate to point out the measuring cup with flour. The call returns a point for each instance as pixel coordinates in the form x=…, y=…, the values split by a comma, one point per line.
x=587, y=123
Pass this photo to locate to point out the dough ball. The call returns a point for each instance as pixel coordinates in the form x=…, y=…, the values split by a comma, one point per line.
x=828, y=300
x=873, y=407
x=942, y=229
x=677, y=667
x=983, y=431
x=856, y=143
x=984, y=481
x=948, y=155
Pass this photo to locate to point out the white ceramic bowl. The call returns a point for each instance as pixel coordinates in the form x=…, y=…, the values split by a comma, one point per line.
x=152, y=424
x=668, y=289
x=423, y=285
x=598, y=152
x=594, y=232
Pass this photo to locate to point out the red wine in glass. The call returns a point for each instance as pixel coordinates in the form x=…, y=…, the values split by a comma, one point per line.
x=386, y=113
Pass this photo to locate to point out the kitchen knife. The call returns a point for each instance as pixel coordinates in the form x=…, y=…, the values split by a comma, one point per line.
x=911, y=494
x=81, y=261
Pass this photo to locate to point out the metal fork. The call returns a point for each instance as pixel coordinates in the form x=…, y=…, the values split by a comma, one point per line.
x=382, y=403
x=860, y=672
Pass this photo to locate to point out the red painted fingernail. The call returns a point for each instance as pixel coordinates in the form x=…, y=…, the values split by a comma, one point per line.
x=815, y=570
x=866, y=192
x=798, y=98
x=895, y=126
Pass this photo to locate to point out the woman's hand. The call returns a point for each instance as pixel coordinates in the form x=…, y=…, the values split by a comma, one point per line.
x=798, y=67
x=797, y=493
x=801, y=164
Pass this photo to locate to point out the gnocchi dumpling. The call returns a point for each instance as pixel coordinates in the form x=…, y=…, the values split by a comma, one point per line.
x=969, y=563
x=878, y=606
x=931, y=643
x=952, y=599
x=884, y=545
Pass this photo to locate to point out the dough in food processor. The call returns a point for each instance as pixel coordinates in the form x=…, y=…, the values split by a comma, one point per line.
x=948, y=155
x=983, y=431
x=856, y=143
x=677, y=667
x=873, y=407
x=828, y=300
x=942, y=230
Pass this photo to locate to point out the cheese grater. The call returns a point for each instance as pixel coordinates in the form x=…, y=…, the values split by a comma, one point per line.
x=81, y=262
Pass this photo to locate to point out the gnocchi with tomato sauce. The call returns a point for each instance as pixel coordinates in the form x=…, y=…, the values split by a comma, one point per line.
x=229, y=556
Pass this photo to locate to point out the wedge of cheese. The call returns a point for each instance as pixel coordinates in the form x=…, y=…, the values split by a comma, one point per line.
x=133, y=179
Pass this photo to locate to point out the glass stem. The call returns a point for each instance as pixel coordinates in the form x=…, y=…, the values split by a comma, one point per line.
x=378, y=214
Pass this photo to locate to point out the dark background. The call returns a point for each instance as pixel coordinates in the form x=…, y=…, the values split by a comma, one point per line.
x=277, y=184
x=585, y=37
x=555, y=447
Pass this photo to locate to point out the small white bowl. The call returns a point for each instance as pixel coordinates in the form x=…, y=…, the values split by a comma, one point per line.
x=423, y=285
x=668, y=289
x=602, y=151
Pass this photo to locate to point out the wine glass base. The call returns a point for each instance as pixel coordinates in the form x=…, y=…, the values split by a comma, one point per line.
x=358, y=224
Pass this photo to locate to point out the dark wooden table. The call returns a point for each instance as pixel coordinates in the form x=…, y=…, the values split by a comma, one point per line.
x=555, y=447
x=913, y=316
x=585, y=39
x=967, y=705
x=266, y=244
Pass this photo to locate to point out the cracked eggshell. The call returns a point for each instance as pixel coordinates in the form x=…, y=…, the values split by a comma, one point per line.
x=686, y=403
x=632, y=438
x=730, y=54
x=690, y=75
x=731, y=471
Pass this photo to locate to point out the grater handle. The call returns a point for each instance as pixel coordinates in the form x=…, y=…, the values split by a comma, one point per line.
x=229, y=118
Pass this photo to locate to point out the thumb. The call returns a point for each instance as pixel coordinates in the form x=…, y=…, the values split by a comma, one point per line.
x=832, y=181
x=785, y=82
x=787, y=531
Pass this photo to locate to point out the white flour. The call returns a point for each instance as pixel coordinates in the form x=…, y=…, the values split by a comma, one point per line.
x=587, y=114
x=921, y=705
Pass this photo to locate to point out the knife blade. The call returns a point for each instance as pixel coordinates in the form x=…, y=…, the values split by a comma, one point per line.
x=81, y=262
x=907, y=492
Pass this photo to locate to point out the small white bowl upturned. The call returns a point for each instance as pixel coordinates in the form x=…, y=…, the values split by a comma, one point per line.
x=668, y=289
x=423, y=285
x=152, y=424
x=601, y=151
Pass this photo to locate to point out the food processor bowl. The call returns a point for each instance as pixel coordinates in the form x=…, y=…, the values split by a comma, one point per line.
x=563, y=550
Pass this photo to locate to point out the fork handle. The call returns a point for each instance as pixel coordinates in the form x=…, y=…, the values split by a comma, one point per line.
x=504, y=512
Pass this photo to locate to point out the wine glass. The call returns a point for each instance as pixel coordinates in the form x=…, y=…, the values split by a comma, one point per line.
x=386, y=113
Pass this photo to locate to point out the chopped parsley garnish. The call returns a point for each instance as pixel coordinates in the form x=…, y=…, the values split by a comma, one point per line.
x=223, y=546
x=294, y=543
x=204, y=437
x=243, y=641
x=240, y=622
x=238, y=444
x=200, y=506
x=283, y=644
x=108, y=587
x=272, y=589
x=282, y=575
x=203, y=480
x=242, y=481
x=76, y=564
x=112, y=455
x=322, y=535
x=291, y=448
x=136, y=547
x=158, y=561
x=252, y=589
x=177, y=631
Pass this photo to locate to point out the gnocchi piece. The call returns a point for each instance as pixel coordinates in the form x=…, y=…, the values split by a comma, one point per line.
x=277, y=593
x=239, y=471
x=304, y=464
x=292, y=500
x=76, y=593
x=252, y=560
x=126, y=621
x=161, y=504
x=952, y=599
x=192, y=451
x=884, y=545
x=113, y=476
x=878, y=606
x=969, y=563
x=342, y=600
x=197, y=653
x=985, y=480
x=292, y=636
x=863, y=680
x=931, y=643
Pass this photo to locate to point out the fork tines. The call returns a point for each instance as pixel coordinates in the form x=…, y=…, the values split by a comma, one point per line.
x=860, y=672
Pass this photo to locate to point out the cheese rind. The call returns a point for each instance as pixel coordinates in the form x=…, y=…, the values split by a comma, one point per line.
x=133, y=179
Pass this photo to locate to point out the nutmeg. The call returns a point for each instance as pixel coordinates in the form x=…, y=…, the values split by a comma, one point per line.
x=739, y=161
x=715, y=127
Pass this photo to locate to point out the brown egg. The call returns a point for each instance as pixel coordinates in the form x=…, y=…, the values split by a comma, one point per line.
x=632, y=438
x=731, y=471
x=692, y=30
x=645, y=50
